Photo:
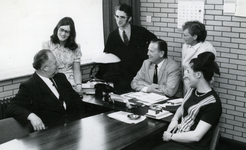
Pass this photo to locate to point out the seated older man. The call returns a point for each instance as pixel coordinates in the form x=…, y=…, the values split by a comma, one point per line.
x=158, y=74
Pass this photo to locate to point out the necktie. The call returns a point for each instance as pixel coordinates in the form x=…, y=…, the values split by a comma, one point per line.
x=59, y=97
x=54, y=84
x=155, y=77
x=126, y=41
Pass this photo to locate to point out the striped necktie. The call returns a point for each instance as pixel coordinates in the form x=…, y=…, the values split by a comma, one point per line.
x=126, y=41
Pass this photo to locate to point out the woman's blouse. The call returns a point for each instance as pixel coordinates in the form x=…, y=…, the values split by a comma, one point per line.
x=65, y=58
x=205, y=107
x=189, y=52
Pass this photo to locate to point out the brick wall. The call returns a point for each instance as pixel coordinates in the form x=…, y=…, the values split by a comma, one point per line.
x=8, y=88
x=227, y=33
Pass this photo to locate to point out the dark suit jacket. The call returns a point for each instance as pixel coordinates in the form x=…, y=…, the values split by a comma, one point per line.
x=35, y=96
x=132, y=56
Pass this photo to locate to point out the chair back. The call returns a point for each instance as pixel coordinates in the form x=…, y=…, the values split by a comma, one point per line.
x=215, y=138
x=11, y=129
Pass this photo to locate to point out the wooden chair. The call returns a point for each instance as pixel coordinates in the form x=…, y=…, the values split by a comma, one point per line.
x=11, y=129
x=215, y=138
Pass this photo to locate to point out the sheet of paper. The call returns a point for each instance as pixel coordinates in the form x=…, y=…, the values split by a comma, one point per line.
x=122, y=116
x=190, y=10
x=175, y=101
x=229, y=6
x=240, y=9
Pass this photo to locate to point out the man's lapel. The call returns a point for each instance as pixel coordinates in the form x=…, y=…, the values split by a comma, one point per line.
x=162, y=70
x=43, y=86
x=151, y=71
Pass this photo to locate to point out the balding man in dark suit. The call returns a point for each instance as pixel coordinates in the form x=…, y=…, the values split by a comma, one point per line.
x=47, y=98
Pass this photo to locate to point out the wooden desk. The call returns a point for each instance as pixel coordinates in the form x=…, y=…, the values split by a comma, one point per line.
x=97, y=132
x=90, y=99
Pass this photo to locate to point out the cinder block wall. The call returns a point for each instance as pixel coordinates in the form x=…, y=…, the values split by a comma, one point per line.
x=228, y=35
x=8, y=88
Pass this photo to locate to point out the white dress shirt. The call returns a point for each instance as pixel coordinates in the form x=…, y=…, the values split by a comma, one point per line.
x=128, y=33
x=52, y=88
x=144, y=89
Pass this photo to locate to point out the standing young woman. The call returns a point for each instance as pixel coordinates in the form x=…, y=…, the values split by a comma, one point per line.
x=192, y=126
x=68, y=53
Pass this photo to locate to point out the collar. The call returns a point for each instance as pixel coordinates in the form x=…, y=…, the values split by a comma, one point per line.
x=160, y=63
x=127, y=30
x=195, y=46
x=45, y=79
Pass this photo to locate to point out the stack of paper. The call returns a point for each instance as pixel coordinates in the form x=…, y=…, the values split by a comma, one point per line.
x=173, y=105
x=146, y=98
x=158, y=115
x=173, y=102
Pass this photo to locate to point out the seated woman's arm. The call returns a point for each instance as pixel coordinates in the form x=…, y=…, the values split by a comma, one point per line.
x=175, y=120
x=192, y=136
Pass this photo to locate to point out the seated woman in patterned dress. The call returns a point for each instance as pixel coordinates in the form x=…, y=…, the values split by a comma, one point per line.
x=68, y=53
x=192, y=126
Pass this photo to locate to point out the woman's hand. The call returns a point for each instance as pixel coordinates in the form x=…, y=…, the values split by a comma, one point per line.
x=167, y=136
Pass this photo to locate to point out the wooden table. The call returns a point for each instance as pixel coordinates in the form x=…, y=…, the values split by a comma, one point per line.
x=97, y=132
x=90, y=99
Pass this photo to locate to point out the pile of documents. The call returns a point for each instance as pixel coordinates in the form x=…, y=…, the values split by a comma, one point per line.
x=145, y=98
x=157, y=112
x=173, y=105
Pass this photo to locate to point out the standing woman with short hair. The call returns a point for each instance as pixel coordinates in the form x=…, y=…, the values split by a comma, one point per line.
x=68, y=53
x=194, y=35
x=192, y=126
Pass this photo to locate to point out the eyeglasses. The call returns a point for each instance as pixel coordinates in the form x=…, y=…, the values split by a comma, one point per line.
x=120, y=17
x=62, y=30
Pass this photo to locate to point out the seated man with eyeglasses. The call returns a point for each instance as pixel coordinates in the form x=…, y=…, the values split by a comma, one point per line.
x=130, y=44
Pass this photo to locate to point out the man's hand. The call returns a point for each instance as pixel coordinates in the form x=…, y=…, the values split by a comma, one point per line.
x=36, y=122
x=153, y=88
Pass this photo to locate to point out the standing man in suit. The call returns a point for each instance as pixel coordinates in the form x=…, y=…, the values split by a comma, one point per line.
x=130, y=44
x=47, y=98
x=158, y=74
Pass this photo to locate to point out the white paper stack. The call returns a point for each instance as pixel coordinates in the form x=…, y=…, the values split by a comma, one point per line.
x=158, y=115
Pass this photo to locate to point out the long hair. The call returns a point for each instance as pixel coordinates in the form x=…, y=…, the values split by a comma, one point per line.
x=206, y=64
x=70, y=42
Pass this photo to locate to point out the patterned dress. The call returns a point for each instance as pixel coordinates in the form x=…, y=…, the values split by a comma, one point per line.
x=65, y=58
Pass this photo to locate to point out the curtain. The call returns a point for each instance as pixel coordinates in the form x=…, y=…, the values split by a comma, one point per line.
x=109, y=23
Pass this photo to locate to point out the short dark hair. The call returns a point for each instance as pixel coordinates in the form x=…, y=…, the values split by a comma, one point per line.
x=206, y=64
x=162, y=46
x=124, y=7
x=70, y=43
x=196, y=28
x=40, y=58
